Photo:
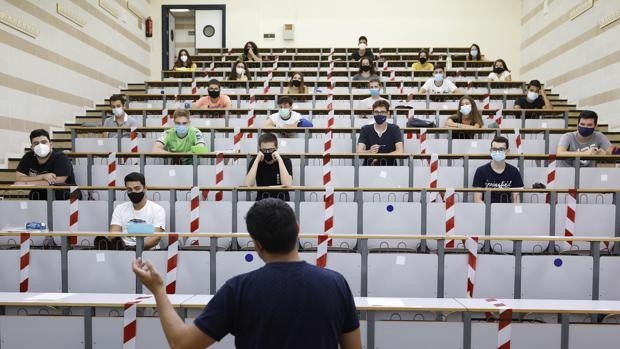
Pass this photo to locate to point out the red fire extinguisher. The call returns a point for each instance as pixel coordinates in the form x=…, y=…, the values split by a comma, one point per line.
x=149, y=27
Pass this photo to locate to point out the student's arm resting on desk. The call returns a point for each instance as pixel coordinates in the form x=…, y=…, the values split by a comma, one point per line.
x=250, y=177
x=399, y=148
x=158, y=147
x=178, y=334
x=285, y=176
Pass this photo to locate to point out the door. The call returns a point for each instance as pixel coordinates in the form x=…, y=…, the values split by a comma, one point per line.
x=209, y=25
x=172, y=50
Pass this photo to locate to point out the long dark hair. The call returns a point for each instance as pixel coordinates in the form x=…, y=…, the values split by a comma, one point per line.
x=475, y=116
x=179, y=63
x=372, y=66
x=254, y=48
x=301, y=87
x=233, y=72
x=501, y=61
x=470, y=57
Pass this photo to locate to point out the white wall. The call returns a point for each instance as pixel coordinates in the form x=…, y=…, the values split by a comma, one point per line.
x=49, y=79
x=576, y=57
x=494, y=25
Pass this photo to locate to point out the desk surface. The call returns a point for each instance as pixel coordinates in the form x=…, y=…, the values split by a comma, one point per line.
x=548, y=306
x=82, y=299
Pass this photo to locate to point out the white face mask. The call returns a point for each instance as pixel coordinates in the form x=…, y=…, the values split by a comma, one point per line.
x=465, y=109
x=362, y=46
x=474, y=53
x=42, y=150
x=532, y=95
x=183, y=58
x=118, y=111
x=240, y=71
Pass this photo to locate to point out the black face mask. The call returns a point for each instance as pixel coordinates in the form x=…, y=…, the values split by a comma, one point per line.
x=498, y=70
x=214, y=93
x=365, y=68
x=423, y=60
x=296, y=83
x=136, y=197
x=268, y=157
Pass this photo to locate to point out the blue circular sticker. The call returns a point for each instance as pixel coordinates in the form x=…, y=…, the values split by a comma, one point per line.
x=557, y=262
x=249, y=257
x=390, y=208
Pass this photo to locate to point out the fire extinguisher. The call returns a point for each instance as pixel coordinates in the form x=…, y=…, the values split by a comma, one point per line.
x=149, y=27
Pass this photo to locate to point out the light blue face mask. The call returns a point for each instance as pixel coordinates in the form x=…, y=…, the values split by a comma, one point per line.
x=438, y=77
x=374, y=92
x=285, y=113
x=498, y=156
x=181, y=130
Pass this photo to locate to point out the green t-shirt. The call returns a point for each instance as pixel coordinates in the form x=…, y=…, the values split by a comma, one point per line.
x=175, y=144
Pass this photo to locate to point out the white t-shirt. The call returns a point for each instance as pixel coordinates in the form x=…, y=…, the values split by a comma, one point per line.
x=151, y=213
x=367, y=103
x=293, y=120
x=502, y=77
x=446, y=87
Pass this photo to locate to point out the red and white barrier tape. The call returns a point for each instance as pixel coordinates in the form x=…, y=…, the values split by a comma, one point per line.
x=112, y=170
x=194, y=86
x=251, y=114
x=130, y=324
x=434, y=171
x=194, y=214
x=497, y=117
x=504, y=325
x=518, y=141
x=171, y=268
x=24, y=261
x=324, y=242
x=449, y=205
x=133, y=138
x=571, y=213
x=73, y=213
x=219, y=175
x=164, y=116
x=486, y=101
x=423, y=141
x=472, y=260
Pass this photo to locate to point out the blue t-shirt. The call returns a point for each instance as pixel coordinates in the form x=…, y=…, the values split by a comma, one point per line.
x=292, y=305
x=486, y=177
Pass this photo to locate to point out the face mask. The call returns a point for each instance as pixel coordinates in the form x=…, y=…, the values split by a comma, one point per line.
x=498, y=70
x=362, y=46
x=285, y=113
x=240, y=71
x=183, y=59
x=498, y=156
x=423, y=60
x=268, y=157
x=42, y=150
x=214, y=93
x=465, y=109
x=181, y=130
x=365, y=67
x=374, y=92
x=380, y=119
x=585, y=131
x=118, y=111
x=532, y=96
x=296, y=83
x=474, y=53
x=136, y=197
x=438, y=77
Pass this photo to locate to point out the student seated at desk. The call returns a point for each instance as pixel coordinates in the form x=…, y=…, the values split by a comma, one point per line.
x=467, y=116
x=43, y=166
x=584, y=141
x=239, y=72
x=366, y=70
x=438, y=83
x=250, y=53
x=138, y=210
x=184, y=62
x=215, y=99
x=474, y=53
x=422, y=62
x=374, y=88
x=536, y=98
x=500, y=71
x=120, y=118
x=381, y=137
x=362, y=50
x=285, y=117
x=498, y=174
x=182, y=138
x=296, y=85
x=269, y=168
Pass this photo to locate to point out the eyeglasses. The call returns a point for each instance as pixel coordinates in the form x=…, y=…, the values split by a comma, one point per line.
x=267, y=151
x=498, y=149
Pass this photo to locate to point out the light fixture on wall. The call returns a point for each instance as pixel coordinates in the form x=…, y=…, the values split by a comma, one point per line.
x=179, y=10
x=289, y=32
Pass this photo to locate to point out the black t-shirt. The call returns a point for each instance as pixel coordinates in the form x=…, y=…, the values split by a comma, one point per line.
x=485, y=177
x=538, y=103
x=58, y=163
x=282, y=305
x=355, y=55
x=387, y=142
x=269, y=174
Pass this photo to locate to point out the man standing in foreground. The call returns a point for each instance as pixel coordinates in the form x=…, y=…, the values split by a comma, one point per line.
x=288, y=303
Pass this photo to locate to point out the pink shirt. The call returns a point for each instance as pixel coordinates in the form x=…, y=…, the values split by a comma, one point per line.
x=223, y=101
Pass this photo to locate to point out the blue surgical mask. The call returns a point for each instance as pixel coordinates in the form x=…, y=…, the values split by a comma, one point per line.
x=285, y=113
x=374, y=92
x=465, y=109
x=181, y=130
x=498, y=156
x=438, y=77
x=380, y=119
x=585, y=131
x=532, y=96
